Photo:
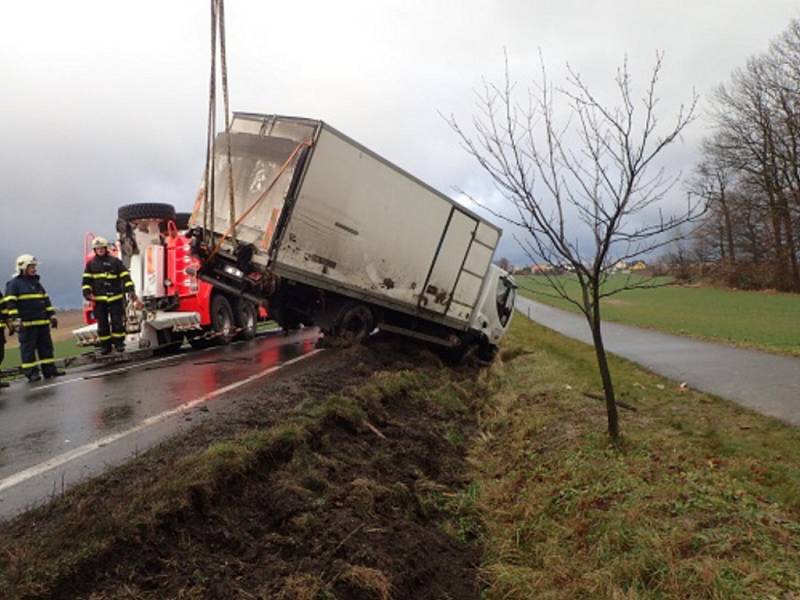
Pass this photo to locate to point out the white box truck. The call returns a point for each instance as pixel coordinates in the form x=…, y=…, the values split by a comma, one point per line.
x=325, y=232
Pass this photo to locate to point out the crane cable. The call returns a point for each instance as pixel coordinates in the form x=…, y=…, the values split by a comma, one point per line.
x=217, y=27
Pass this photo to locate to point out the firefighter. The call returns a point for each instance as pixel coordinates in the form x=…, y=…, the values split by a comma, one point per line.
x=32, y=315
x=106, y=281
x=3, y=324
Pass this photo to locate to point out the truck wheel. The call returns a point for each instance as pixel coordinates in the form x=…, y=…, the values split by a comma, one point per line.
x=246, y=319
x=354, y=323
x=146, y=210
x=222, y=319
x=487, y=352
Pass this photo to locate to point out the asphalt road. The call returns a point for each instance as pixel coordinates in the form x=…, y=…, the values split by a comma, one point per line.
x=56, y=433
x=767, y=383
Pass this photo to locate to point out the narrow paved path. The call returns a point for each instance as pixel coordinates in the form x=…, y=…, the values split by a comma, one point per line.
x=767, y=383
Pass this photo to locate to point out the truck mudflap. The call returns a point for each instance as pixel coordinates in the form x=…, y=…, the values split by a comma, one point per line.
x=159, y=320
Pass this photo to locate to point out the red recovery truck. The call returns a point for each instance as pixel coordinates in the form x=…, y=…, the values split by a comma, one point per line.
x=174, y=304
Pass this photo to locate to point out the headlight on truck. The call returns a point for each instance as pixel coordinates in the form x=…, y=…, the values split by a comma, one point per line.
x=233, y=272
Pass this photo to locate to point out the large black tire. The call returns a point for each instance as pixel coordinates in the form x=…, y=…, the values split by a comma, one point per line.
x=246, y=319
x=487, y=352
x=146, y=210
x=354, y=323
x=222, y=319
x=182, y=220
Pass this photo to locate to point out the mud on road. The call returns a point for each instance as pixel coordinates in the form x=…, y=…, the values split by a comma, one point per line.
x=347, y=481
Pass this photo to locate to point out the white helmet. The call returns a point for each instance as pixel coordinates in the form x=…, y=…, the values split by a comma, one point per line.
x=26, y=260
x=99, y=242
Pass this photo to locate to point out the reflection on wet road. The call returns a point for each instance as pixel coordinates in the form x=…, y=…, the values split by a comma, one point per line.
x=38, y=422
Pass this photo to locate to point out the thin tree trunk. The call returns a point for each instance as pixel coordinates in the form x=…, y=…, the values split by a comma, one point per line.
x=790, y=245
x=777, y=232
x=726, y=213
x=605, y=372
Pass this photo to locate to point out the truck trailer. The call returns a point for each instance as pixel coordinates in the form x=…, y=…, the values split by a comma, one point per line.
x=325, y=232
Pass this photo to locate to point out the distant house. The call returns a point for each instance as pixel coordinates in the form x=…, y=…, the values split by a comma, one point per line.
x=639, y=265
x=541, y=268
x=620, y=265
x=566, y=267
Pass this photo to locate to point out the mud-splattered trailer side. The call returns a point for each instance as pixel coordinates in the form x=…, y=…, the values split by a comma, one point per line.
x=321, y=223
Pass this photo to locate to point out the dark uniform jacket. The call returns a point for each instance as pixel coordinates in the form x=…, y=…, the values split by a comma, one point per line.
x=3, y=318
x=106, y=278
x=27, y=300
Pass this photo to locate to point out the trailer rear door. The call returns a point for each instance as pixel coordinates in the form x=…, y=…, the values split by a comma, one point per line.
x=460, y=266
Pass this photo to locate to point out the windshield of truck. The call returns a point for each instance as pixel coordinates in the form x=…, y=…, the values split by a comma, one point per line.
x=506, y=295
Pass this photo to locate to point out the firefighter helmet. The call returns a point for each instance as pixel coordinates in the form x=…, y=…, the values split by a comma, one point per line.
x=99, y=242
x=26, y=260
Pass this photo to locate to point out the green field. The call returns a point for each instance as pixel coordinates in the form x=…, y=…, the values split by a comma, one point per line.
x=63, y=349
x=765, y=320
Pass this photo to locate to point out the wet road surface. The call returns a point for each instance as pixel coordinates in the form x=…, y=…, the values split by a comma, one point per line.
x=767, y=383
x=54, y=433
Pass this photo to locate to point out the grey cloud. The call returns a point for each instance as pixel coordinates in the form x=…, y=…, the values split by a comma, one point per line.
x=103, y=103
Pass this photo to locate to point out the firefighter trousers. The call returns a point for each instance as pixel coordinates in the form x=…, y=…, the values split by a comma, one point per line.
x=36, y=350
x=115, y=313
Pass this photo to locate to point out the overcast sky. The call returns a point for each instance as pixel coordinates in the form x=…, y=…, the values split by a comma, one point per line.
x=103, y=103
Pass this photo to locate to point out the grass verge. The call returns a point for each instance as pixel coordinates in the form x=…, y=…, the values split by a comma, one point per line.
x=63, y=349
x=703, y=500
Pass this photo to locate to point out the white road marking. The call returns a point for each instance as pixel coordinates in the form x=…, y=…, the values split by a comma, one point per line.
x=62, y=459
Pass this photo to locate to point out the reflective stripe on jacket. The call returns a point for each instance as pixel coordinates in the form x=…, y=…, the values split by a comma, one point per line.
x=3, y=311
x=106, y=278
x=27, y=300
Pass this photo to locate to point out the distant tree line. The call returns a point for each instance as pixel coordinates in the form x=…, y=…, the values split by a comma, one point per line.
x=750, y=174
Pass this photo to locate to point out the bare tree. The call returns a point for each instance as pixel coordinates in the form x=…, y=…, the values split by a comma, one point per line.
x=712, y=181
x=585, y=189
x=504, y=264
x=756, y=141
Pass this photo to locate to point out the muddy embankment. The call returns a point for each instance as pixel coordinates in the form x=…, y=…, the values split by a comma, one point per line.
x=348, y=481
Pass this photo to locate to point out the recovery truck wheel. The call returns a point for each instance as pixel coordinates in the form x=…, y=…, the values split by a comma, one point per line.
x=246, y=319
x=354, y=323
x=222, y=321
x=146, y=210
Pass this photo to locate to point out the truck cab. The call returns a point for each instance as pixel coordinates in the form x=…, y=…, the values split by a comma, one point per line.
x=496, y=307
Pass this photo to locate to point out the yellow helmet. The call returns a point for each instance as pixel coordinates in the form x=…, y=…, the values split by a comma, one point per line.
x=26, y=260
x=99, y=242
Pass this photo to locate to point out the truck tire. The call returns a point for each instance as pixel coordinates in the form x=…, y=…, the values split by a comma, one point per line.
x=487, y=352
x=146, y=210
x=182, y=220
x=222, y=320
x=246, y=319
x=354, y=323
